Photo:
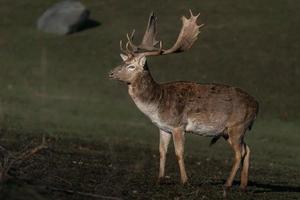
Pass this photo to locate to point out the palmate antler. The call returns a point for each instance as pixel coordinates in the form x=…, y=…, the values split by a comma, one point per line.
x=187, y=36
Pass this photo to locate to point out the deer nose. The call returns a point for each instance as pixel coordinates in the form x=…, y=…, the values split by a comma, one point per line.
x=111, y=75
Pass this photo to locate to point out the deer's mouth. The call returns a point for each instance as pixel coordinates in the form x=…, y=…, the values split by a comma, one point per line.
x=112, y=76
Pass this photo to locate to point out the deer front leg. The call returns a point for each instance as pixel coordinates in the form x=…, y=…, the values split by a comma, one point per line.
x=178, y=138
x=164, y=140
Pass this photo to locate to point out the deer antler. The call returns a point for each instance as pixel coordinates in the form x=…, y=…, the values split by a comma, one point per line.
x=148, y=43
x=187, y=37
x=149, y=40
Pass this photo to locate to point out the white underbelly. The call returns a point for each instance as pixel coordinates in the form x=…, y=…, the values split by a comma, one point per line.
x=163, y=126
x=203, y=129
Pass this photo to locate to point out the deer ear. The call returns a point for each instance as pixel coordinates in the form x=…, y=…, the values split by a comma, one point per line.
x=142, y=61
x=124, y=57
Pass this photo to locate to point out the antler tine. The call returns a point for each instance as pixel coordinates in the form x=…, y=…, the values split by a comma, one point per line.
x=127, y=50
x=192, y=15
x=160, y=45
x=132, y=34
x=127, y=47
x=121, y=47
x=191, y=12
x=130, y=41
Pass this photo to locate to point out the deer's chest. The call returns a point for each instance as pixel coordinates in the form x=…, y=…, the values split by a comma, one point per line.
x=151, y=111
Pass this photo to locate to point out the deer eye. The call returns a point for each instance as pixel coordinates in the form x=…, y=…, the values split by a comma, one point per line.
x=130, y=67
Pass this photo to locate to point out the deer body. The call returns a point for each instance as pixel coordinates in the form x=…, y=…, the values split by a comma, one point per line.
x=204, y=109
x=177, y=108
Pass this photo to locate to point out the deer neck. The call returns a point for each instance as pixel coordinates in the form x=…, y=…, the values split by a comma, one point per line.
x=145, y=91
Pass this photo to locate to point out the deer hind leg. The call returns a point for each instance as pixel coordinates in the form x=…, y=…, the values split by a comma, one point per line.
x=164, y=140
x=236, y=142
x=178, y=138
x=245, y=168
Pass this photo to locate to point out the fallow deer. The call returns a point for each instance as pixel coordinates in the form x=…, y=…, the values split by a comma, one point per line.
x=181, y=107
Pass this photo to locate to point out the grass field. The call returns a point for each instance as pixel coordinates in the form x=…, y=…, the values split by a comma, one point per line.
x=101, y=144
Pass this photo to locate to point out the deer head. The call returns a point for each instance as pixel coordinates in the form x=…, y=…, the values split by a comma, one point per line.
x=130, y=68
x=134, y=56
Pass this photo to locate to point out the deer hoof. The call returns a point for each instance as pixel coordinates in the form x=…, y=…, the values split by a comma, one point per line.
x=226, y=190
x=243, y=189
x=161, y=181
x=185, y=183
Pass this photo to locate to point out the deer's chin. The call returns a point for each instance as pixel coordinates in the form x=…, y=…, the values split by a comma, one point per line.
x=116, y=78
x=122, y=81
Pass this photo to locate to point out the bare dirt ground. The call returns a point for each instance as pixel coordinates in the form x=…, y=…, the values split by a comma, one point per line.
x=80, y=169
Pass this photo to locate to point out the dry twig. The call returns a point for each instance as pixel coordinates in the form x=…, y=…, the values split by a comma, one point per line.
x=11, y=159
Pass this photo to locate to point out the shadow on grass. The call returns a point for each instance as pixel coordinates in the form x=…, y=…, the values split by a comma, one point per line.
x=89, y=24
x=267, y=187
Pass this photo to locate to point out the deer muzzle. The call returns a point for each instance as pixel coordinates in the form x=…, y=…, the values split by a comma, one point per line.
x=113, y=74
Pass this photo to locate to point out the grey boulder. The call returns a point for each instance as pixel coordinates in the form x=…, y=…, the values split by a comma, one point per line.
x=63, y=18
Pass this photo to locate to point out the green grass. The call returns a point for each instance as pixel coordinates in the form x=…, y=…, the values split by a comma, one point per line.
x=252, y=45
x=59, y=85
